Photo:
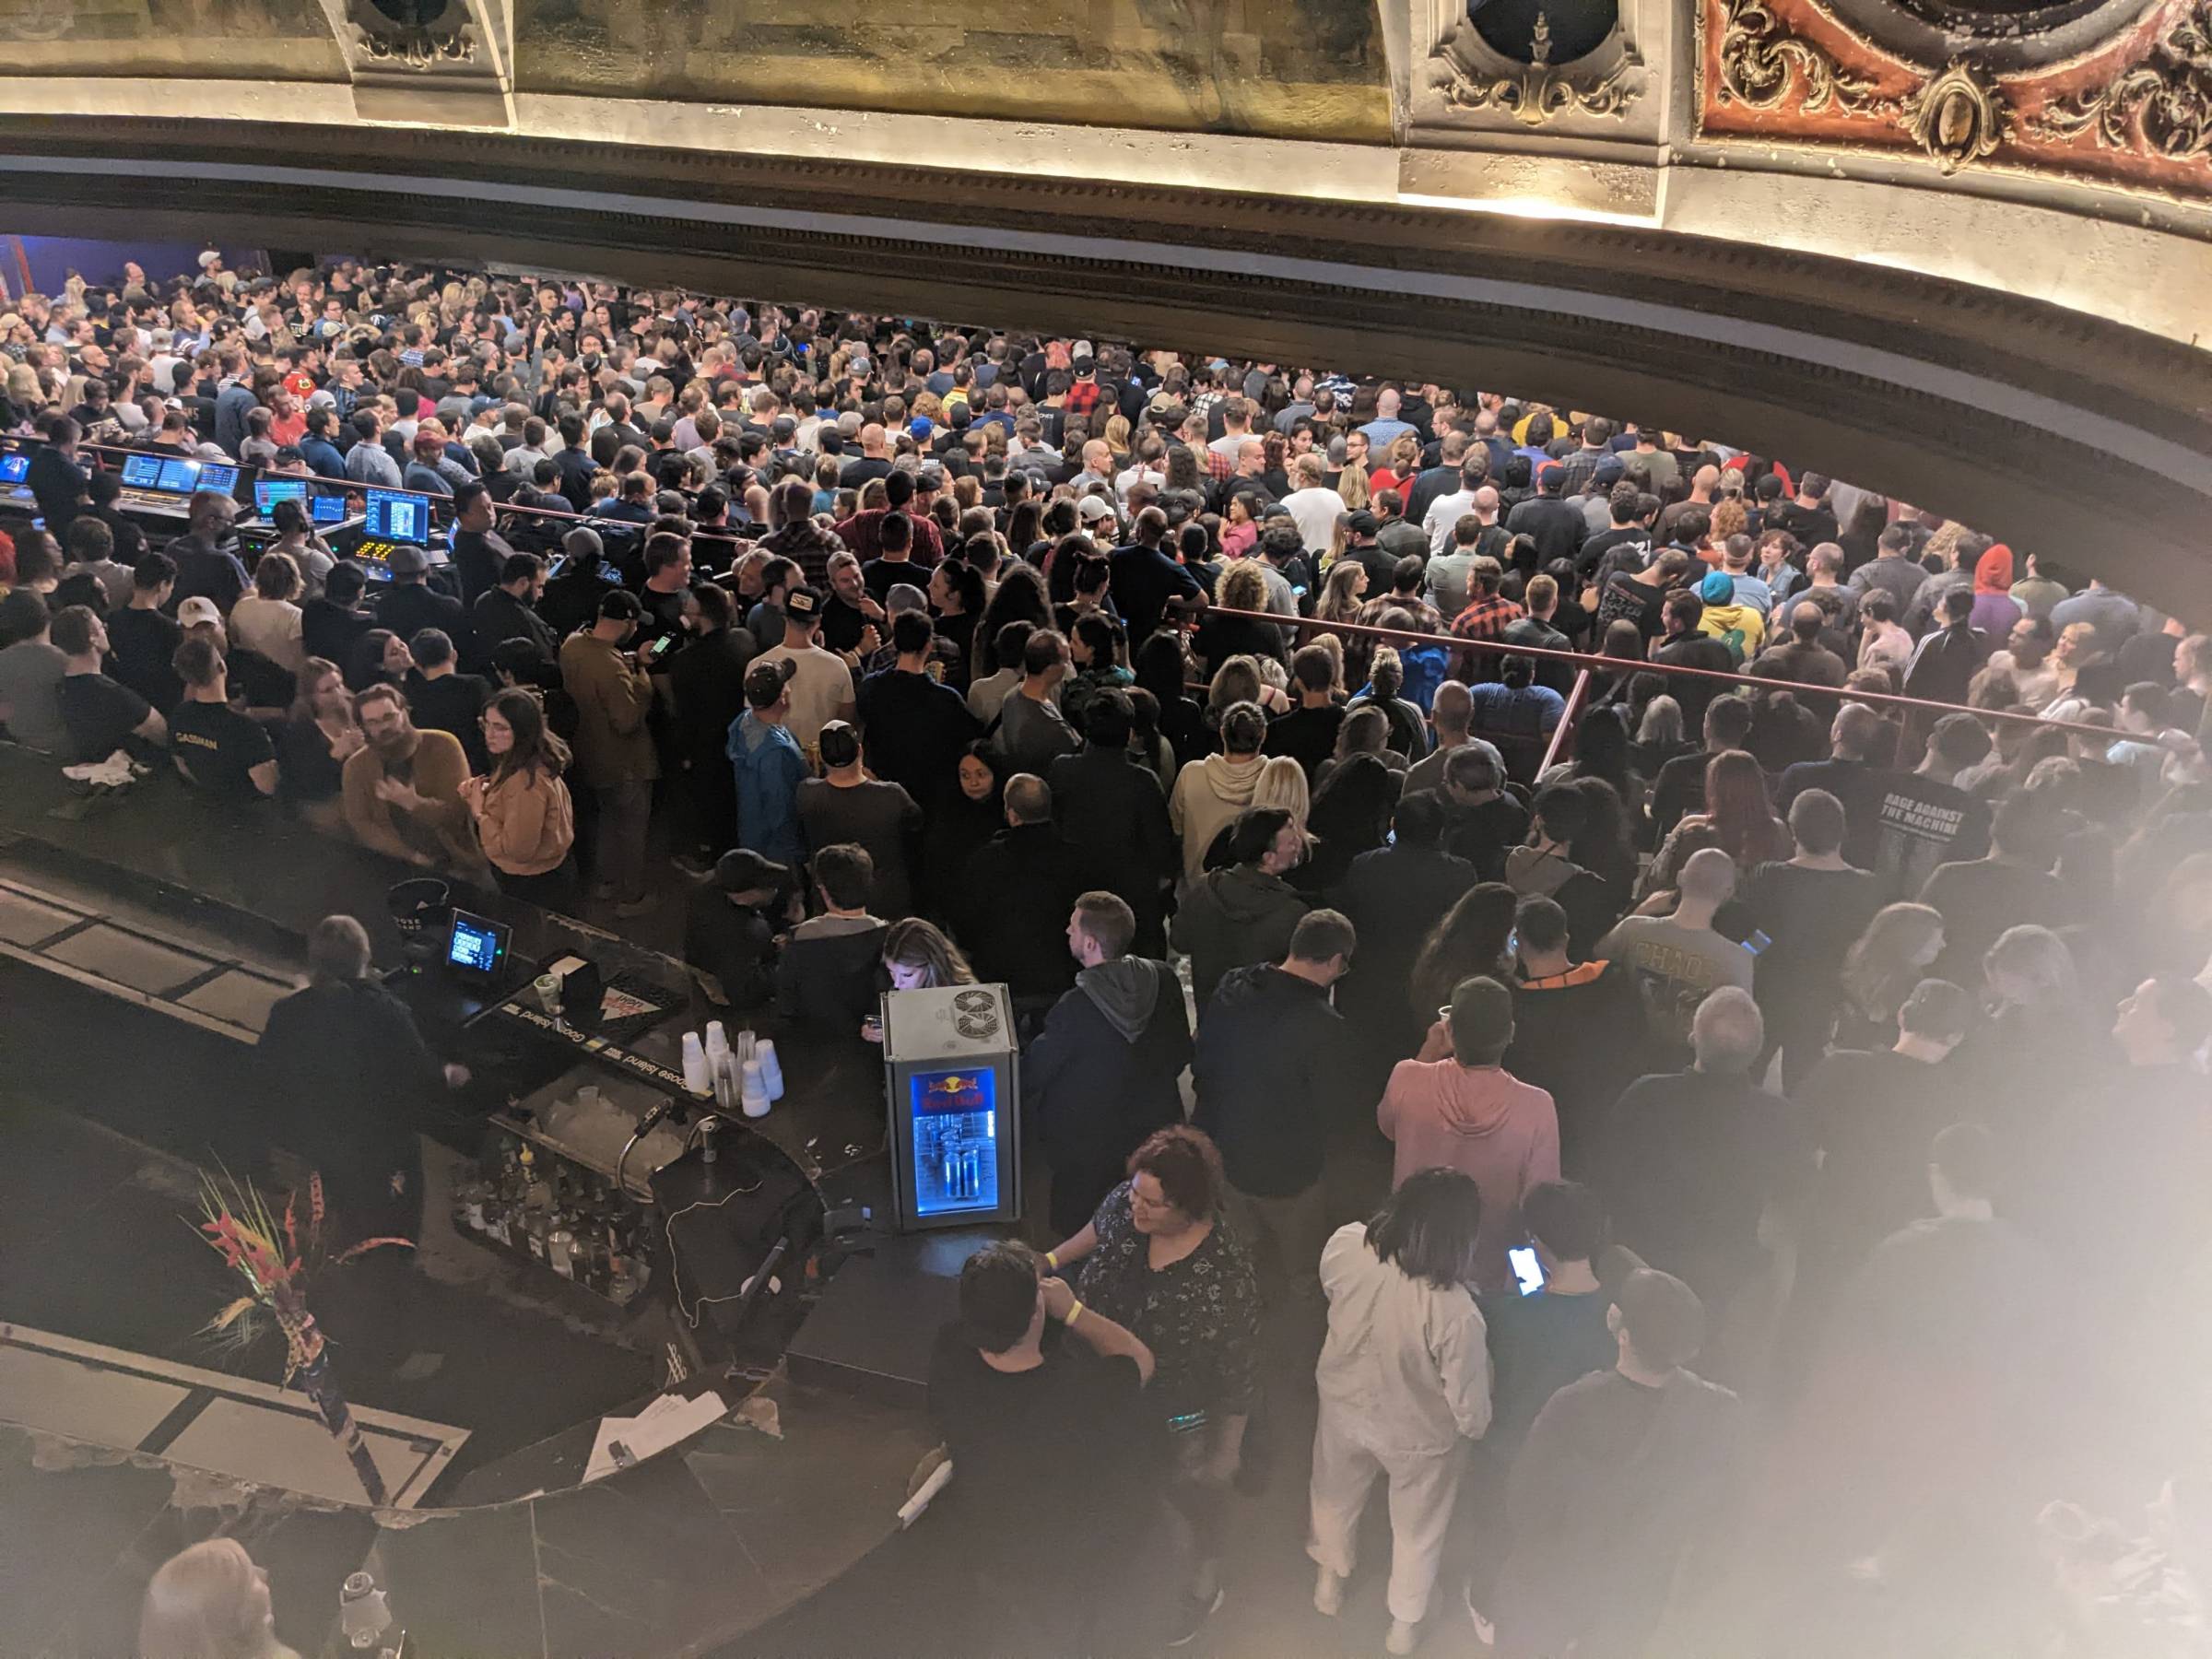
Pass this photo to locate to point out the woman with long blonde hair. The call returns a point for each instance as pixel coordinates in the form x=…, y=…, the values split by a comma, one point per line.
x=917, y=955
x=209, y=1602
x=1341, y=592
x=1353, y=486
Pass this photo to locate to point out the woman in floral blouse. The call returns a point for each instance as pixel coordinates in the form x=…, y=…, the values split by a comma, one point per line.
x=1160, y=1259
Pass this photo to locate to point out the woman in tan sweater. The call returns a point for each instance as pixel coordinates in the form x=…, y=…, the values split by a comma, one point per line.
x=525, y=819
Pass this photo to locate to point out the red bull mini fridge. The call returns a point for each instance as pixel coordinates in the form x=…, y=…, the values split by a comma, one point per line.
x=955, y=1102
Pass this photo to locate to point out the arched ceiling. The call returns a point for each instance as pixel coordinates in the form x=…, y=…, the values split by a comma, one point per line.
x=1778, y=221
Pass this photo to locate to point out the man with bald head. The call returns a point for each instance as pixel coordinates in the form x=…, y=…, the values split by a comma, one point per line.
x=1689, y=1161
x=873, y=462
x=1384, y=429
x=1098, y=465
x=1015, y=893
x=1802, y=659
x=1451, y=722
x=1704, y=484
x=1860, y=742
x=1679, y=959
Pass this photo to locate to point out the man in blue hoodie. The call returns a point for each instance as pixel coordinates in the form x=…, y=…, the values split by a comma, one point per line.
x=768, y=765
x=1101, y=1075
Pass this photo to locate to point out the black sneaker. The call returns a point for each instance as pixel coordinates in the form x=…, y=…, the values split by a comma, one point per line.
x=1191, y=1614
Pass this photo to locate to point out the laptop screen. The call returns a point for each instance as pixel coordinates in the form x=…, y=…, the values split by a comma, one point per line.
x=14, y=467
x=268, y=492
x=478, y=944
x=397, y=516
x=179, y=476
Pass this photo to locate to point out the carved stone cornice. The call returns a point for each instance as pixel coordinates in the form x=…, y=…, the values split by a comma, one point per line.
x=411, y=46
x=2162, y=106
x=1539, y=91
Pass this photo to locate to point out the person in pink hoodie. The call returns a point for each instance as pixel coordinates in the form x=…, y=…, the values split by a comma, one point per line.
x=1454, y=1106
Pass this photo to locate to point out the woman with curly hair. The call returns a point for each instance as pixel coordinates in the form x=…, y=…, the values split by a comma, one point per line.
x=1160, y=1259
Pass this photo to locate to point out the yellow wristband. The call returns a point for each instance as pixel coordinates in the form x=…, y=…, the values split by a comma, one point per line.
x=1068, y=1318
x=1052, y=1259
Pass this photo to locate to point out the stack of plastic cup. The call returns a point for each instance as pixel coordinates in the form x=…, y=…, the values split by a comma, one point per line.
x=771, y=1067
x=697, y=1077
x=722, y=1074
x=755, y=1095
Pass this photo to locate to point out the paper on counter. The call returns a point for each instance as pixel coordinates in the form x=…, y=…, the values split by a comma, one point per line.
x=911, y=1509
x=669, y=1419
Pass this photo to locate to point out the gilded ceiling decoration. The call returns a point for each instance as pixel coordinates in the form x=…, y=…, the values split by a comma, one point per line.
x=1762, y=64
x=2162, y=106
x=1960, y=117
x=1538, y=91
x=2129, y=102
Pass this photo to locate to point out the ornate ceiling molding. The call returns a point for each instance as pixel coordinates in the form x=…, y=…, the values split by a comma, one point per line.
x=2160, y=107
x=1958, y=117
x=1538, y=91
x=1761, y=60
x=2131, y=110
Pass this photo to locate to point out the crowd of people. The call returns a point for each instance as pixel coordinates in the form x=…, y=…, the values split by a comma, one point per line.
x=1754, y=1065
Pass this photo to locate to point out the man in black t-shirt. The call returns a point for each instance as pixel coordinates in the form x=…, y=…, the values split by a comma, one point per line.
x=1147, y=583
x=143, y=638
x=1053, y=1451
x=1308, y=733
x=100, y=713
x=223, y=752
x=479, y=552
x=1923, y=819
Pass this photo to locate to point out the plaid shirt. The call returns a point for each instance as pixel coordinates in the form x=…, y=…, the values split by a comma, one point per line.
x=1082, y=397
x=1486, y=618
x=1218, y=465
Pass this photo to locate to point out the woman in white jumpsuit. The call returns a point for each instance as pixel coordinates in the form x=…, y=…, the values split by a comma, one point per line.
x=1405, y=1377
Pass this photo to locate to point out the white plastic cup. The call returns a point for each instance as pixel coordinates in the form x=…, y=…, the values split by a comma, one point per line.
x=756, y=1097
x=771, y=1067
x=696, y=1078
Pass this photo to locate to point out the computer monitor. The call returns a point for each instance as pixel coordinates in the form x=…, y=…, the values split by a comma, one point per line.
x=478, y=944
x=141, y=472
x=268, y=492
x=219, y=477
x=15, y=466
x=397, y=516
x=327, y=509
x=179, y=475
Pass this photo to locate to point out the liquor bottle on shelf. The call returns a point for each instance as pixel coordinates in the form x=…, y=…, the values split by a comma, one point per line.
x=468, y=1205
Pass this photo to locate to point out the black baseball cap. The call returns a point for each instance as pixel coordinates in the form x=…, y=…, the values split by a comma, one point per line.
x=742, y=870
x=802, y=602
x=764, y=681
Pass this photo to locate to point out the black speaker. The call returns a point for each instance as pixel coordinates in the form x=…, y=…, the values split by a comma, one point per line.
x=732, y=1223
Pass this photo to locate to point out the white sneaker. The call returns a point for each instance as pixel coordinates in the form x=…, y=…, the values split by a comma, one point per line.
x=1328, y=1594
x=1484, y=1631
x=1403, y=1638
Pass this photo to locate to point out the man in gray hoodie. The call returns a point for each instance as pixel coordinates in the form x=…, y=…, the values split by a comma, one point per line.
x=1101, y=1074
